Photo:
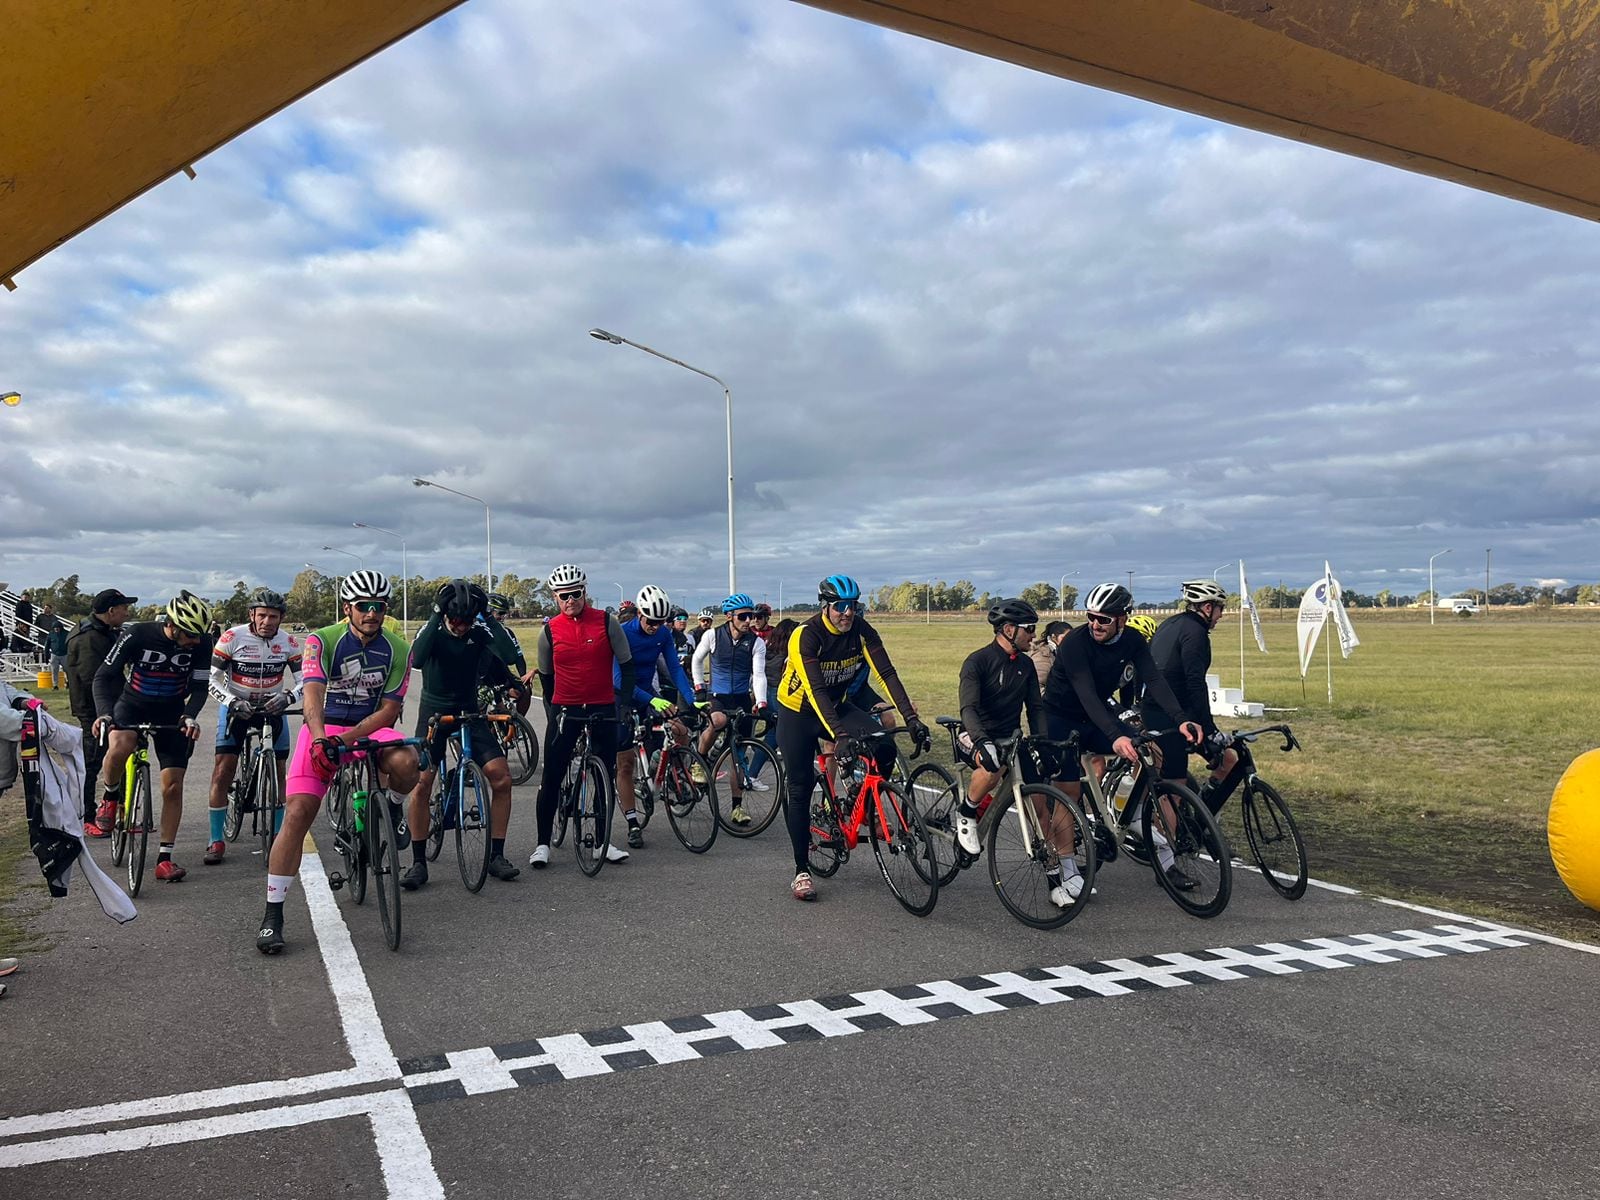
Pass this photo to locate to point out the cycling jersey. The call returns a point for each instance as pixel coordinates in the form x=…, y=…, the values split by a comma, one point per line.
x=823, y=660
x=1182, y=653
x=577, y=656
x=359, y=678
x=452, y=667
x=996, y=686
x=161, y=675
x=650, y=651
x=1086, y=672
x=517, y=659
x=247, y=667
x=738, y=665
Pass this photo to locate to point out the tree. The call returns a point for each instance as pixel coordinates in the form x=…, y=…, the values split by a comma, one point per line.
x=1588, y=593
x=311, y=598
x=1428, y=599
x=1069, y=597
x=1385, y=598
x=1041, y=595
x=1505, y=593
x=235, y=609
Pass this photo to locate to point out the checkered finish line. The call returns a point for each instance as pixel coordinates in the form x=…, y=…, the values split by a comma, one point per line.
x=569, y=1056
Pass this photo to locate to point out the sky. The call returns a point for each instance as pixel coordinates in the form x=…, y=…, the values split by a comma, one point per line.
x=978, y=323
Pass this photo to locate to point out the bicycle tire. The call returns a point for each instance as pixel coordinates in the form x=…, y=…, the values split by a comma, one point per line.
x=438, y=806
x=119, y=834
x=1020, y=871
x=1268, y=823
x=139, y=829
x=905, y=857
x=594, y=797
x=691, y=807
x=472, y=827
x=383, y=854
x=522, y=751
x=644, y=787
x=1197, y=844
x=937, y=792
x=760, y=803
x=823, y=859
x=267, y=802
x=242, y=786
x=355, y=845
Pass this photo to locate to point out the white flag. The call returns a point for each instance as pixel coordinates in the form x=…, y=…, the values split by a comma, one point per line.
x=1348, y=640
x=1250, y=607
x=1313, y=616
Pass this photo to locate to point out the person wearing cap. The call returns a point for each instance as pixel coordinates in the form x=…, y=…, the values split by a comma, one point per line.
x=87, y=648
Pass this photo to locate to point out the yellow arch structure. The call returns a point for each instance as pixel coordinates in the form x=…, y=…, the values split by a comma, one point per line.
x=103, y=101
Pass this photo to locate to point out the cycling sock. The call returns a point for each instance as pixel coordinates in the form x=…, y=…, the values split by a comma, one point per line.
x=968, y=809
x=633, y=817
x=277, y=820
x=497, y=847
x=164, y=854
x=419, y=851
x=1053, y=877
x=218, y=816
x=278, y=889
x=1163, y=848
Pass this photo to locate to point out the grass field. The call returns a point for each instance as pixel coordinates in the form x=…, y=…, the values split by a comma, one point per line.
x=1428, y=778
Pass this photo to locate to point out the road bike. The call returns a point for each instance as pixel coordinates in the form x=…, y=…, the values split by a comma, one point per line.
x=1269, y=827
x=517, y=737
x=363, y=816
x=130, y=836
x=667, y=777
x=257, y=788
x=462, y=798
x=745, y=773
x=585, y=798
x=900, y=842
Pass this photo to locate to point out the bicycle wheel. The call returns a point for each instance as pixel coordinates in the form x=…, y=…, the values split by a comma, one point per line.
x=1200, y=878
x=903, y=849
x=936, y=793
x=352, y=846
x=522, y=749
x=1274, y=839
x=827, y=851
x=761, y=786
x=243, y=786
x=383, y=855
x=442, y=803
x=692, y=808
x=265, y=778
x=591, y=805
x=472, y=826
x=119, y=835
x=138, y=828
x=1021, y=856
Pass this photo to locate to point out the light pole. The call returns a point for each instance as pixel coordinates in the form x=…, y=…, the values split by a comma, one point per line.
x=1130, y=583
x=727, y=396
x=1433, y=598
x=927, y=589
x=10, y=399
x=780, y=599
x=1220, y=569
x=1488, y=550
x=405, y=578
x=618, y=586
x=1062, y=593
x=348, y=554
x=488, y=532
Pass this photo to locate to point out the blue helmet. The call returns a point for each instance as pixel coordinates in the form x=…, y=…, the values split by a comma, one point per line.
x=835, y=588
x=737, y=601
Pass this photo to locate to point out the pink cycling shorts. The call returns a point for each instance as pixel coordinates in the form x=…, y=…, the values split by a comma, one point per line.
x=304, y=778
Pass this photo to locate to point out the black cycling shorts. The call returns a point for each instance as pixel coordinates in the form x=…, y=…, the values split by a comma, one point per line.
x=485, y=745
x=171, y=746
x=737, y=709
x=1090, y=741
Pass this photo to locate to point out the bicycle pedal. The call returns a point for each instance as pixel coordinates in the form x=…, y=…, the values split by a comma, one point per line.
x=335, y=882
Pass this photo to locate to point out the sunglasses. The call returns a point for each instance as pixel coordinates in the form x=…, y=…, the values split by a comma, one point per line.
x=744, y=616
x=369, y=606
x=1027, y=628
x=845, y=606
x=648, y=623
x=574, y=594
x=1099, y=619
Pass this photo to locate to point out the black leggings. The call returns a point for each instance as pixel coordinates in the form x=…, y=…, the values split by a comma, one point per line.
x=798, y=734
x=560, y=739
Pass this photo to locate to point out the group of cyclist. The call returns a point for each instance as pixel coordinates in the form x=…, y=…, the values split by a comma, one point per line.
x=820, y=681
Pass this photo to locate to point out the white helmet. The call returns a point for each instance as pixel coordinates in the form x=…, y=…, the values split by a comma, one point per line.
x=566, y=577
x=1203, y=591
x=364, y=585
x=1111, y=599
x=654, y=603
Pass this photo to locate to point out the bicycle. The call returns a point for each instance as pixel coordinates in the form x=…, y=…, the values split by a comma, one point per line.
x=586, y=795
x=900, y=842
x=452, y=806
x=1269, y=827
x=747, y=773
x=516, y=733
x=364, y=832
x=130, y=836
x=668, y=774
x=1022, y=854
x=1177, y=816
x=257, y=786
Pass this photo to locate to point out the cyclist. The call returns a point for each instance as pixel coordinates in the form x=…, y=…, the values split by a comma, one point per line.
x=730, y=670
x=1182, y=652
x=706, y=617
x=763, y=622
x=825, y=652
x=353, y=686
x=579, y=650
x=1093, y=661
x=460, y=647
x=650, y=642
x=248, y=669
x=500, y=609
x=167, y=664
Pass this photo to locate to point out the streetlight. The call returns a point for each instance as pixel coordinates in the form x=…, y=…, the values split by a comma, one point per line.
x=620, y=597
x=1223, y=567
x=1433, y=599
x=405, y=579
x=727, y=396
x=10, y=399
x=348, y=554
x=1130, y=583
x=780, y=599
x=1488, y=550
x=1062, y=593
x=488, y=533
x=928, y=590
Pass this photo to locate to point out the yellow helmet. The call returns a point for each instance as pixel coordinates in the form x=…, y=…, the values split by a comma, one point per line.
x=1143, y=624
x=189, y=613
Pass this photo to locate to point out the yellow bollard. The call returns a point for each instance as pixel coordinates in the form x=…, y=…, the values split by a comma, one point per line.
x=46, y=682
x=1573, y=828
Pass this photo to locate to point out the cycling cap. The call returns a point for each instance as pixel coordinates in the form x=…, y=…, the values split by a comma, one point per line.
x=565, y=577
x=763, y=610
x=1144, y=625
x=736, y=602
x=267, y=598
x=189, y=613
x=1111, y=599
x=364, y=585
x=462, y=600
x=836, y=588
x=654, y=603
x=1203, y=591
x=499, y=603
x=1012, y=612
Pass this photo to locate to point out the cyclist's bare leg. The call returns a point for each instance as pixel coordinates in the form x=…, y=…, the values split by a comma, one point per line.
x=171, y=804
x=298, y=814
x=418, y=819
x=222, y=773
x=627, y=763
x=982, y=783
x=498, y=775
x=119, y=745
x=719, y=721
x=400, y=768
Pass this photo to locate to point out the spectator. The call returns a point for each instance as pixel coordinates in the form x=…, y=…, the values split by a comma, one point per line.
x=86, y=650
x=1043, y=651
x=22, y=624
x=55, y=644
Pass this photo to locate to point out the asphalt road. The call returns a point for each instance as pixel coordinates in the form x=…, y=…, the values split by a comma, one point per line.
x=679, y=1026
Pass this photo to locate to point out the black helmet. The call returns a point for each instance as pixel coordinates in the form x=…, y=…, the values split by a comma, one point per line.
x=462, y=600
x=1012, y=612
x=267, y=598
x=499, y=604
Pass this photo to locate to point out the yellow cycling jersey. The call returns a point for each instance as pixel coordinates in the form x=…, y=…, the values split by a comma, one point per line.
x=823, y=660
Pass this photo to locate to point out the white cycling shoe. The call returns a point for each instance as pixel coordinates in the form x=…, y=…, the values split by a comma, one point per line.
x=540, y=857
x=1065, y=894
x=967, y=833
x=615, y=853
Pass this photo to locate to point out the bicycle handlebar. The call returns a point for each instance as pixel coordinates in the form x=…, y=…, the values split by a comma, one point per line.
x=1290, y=742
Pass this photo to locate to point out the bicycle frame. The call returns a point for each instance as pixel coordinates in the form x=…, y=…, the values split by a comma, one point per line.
x=870, y=786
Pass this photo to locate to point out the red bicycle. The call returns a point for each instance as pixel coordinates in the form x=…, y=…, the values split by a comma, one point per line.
x=900, y=842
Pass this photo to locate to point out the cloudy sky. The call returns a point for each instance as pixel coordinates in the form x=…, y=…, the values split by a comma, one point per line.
x=978, y=323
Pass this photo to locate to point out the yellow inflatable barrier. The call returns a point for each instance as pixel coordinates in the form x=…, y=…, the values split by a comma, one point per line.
x=1574, y=828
